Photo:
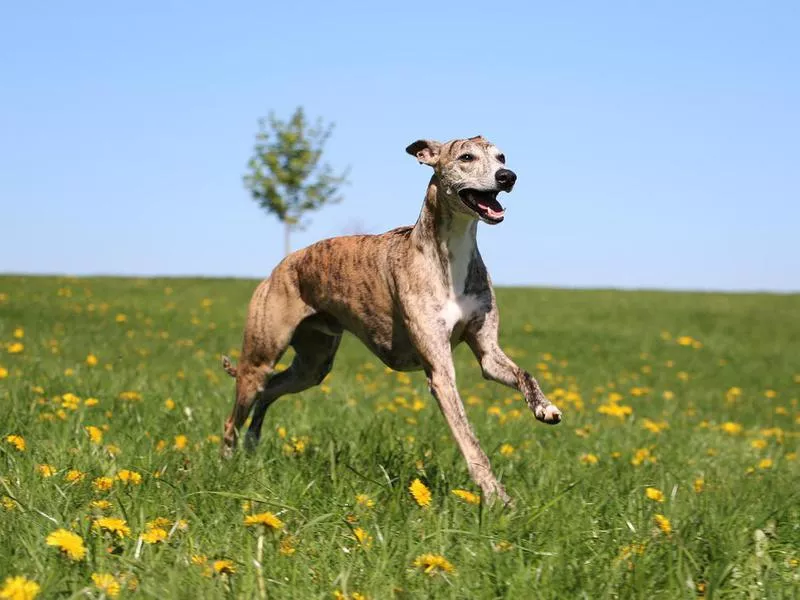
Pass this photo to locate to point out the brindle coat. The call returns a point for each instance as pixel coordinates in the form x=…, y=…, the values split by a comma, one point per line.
x=410, y=295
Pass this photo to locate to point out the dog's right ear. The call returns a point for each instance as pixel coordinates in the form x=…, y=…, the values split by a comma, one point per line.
x=426, y=151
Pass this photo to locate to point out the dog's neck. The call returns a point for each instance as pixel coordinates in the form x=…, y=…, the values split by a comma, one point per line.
x=447, y=236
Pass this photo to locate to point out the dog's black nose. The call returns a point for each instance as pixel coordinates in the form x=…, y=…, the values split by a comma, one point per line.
x=505, y=177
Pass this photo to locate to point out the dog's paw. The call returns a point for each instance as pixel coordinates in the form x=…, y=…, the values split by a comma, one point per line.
x=548, y=414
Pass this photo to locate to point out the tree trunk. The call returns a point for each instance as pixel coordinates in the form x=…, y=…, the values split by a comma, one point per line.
x=287, y=248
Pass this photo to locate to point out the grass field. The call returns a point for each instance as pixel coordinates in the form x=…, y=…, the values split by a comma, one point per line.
x=113, y=402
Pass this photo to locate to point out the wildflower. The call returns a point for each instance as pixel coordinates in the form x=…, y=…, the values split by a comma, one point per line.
x=19, y=333
x=16, y=348
x=654, y=494
x=506, y=449
x=112, y=449
x=431, y=564
x=642, y=456
x=765, y=463
x=365, y=501
x=467, y=496
x=589, y=459
x=19, y=588
x=71, y=544
x=181, y=441
x=17, y=441
x=157, y=522
x=103, y=484
x=74, y=475
x=502, y=546
x=169, y=404
x=46, y=470
x=130, y=396
x=3, y=372
x=731, y=428
x=95, y=434
x=363, y=538
x=771, y=394
x=663, y=524
x=154, y=535
x=106, y=583
x=91, y=402
x=100, y=504
x=699, y=484
x=8, y=503
x=653, y=426
x=113, y=526
x=287, y=546
x=683, y=376
x=121, y=318
x=224, y=567
x=91, y=360
x=420, y=492
x=267, y=519
x=612, y=409
x=129, y=477
x=668, y=395
x=759, y=444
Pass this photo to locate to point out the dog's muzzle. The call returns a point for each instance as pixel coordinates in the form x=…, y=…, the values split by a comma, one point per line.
x=484, y=204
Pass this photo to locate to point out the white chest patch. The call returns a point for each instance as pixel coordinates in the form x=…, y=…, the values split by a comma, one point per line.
x=458, y=310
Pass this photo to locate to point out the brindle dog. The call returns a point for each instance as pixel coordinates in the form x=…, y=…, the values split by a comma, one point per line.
x=410, y=295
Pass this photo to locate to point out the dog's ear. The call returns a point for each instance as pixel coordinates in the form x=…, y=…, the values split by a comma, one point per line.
x=426, y=151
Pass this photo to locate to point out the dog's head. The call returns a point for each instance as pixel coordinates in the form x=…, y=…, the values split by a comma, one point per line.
x=471, y=173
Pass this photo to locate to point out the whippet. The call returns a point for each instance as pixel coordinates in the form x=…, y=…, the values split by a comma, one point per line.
x=410, y=295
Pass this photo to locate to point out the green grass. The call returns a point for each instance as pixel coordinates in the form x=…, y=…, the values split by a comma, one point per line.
x=567, y=533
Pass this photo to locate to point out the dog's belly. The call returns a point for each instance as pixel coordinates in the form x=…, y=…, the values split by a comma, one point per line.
x=389, y=341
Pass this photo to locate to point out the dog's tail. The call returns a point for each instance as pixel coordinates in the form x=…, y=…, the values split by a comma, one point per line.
x=229, y=367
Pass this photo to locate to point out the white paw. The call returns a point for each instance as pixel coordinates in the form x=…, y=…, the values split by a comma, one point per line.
x=548, y=414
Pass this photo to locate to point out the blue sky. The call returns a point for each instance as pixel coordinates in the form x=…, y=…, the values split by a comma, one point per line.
x=657, y=144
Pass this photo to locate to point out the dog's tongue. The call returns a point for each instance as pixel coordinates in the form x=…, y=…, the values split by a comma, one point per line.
x=491, y=207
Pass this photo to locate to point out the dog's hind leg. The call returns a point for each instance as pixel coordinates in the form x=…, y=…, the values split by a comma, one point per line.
x=314, y=354
x=275, y=312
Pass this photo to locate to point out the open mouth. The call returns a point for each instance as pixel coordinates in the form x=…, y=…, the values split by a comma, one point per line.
x=484, y=203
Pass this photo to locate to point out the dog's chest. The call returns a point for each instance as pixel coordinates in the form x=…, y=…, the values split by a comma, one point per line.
x=458, y=310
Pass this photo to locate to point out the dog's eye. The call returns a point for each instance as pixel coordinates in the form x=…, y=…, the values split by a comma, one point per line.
x=466, y=158
x=501, y=158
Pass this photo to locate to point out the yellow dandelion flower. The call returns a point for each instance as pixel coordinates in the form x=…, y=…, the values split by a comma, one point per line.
x=432, y=564
x=100, y=504
x=130, y=396
x=16, y=348
x=46, y=470
x=91, y=360
x=107, y=583
x=365, y=501
x=154, y=535
x=363, y=537
x=267, y=519
x=654, y=494
x=420, y=492
x=3, y=372
x=169, y=404
x=95, y=434
x=654, y=426
x=685, y=340
x=74, y=475
x=91, y=402
x=112, y=525
x=771, y=394
x=8, y=503
x=181, y=441
x=642, y=456
x=103, y=484
x=467, y=496
x=503, y=546
x=19, y=588
x=19, y=333
x=158, y=522
x=765, y=463
x=589, y=459
x=759, y=444
x=507, y=450
x=121, y=318
x=699, y=484
x=668, y=395
x=17, y=441
x=224, y=567
x=731, y=428
x=69, y=543
x=129, y=477
x=663, y=524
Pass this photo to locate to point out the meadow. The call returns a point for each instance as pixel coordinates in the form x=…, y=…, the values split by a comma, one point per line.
x=673, y=475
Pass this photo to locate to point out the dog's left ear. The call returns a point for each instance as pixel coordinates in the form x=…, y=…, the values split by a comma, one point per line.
x=426, y=151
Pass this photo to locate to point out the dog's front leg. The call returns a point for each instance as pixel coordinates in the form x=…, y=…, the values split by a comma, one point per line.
x=482, y=339
x=438, y=362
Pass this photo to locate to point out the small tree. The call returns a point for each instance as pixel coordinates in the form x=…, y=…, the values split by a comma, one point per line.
x=285, y=175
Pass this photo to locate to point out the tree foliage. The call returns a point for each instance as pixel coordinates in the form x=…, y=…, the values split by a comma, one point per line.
x=286, y=175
